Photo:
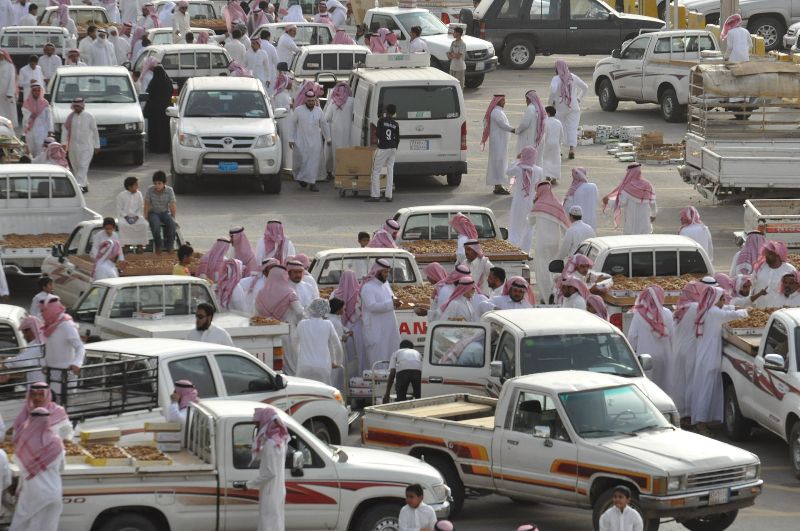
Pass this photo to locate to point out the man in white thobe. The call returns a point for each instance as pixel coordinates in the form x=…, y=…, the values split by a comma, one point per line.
x=49, y=62
x=634, y=201
x=28, y=74
x=532, y=124
x=128, y=10
x=85, y=45
x=37, y=119
x=526, y=176
x=235, y=48
x=738, y=42
x=6, y=14
x=317, y=345
x=81, y=140
x=19, y=9
x=269, y=447
x=102, y=51
x=572, y=293
x=575, y=235
x=272, y=52
x=46, y=287
x=8, y=88
x=257, y=61
x=305, y=291
x=180, y=22
x=122, y=48
x=583, y=194
x=550, y=222
x=286, y=47
x=338, y=115
x=244, y=295
x=693, y=227
x=305, y=140
x=479, y=266
x=63, y=348
x=133, y=226
x=496, y=129
x=651, y=332
x=551, y=145
x=380, y=330
x=517, y=294
x=205, y=330
x=768, y=275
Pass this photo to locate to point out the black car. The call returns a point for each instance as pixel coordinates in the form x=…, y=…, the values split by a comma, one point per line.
x=519, y=29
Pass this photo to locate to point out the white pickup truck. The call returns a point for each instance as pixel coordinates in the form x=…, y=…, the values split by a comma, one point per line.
x=777, y=219
x=11, y=339
x=69, y=262
x=163, y=306
x=201, y=487
x=426, y=232
x=36, y=199
x=569, y=438
x=761, y=374
x=654, y=68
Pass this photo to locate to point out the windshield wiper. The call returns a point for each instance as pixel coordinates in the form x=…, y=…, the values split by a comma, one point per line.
x=651, y=427
x=586, y=432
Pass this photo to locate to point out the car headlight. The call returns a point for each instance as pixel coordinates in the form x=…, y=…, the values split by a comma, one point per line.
x=441, y=492
x=674, y=484
x=751, y=472
x=265, y=141
x=133, y=126
x=491, y=51
x=188, y=140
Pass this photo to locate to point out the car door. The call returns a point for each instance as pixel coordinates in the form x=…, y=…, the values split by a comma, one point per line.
x=770, y=384
x=592, y=28
x=505, y=350
x=530, y=442
x=456, y=359
x=312, y=492
x=87, y=309
x=628, y=73
x=363, y=100
x=547, y=19
x=244, y=379
x=67, y=279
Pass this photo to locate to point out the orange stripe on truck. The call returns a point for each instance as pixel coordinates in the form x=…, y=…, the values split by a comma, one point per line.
x=585, y=471
x=401, y=439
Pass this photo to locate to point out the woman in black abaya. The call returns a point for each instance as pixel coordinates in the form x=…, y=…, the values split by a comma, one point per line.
x=159, y=97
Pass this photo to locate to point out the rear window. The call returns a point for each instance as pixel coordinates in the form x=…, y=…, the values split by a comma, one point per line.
x=692, y=262
x=36, y=187
x=437, y=226
x=438, y=102
x=82, y=17
x=95, y=89
x=31, y=40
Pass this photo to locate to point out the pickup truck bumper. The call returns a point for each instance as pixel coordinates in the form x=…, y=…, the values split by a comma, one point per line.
x=475, y=67
x=695, y=504
x=442, y=509
x=250, y=162
x=113, y=141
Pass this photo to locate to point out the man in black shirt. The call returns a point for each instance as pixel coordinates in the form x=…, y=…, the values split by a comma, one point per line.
x=388, y=140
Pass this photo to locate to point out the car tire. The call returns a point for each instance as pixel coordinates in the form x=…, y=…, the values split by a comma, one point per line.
x=712, y=522
x=671, y=110
x=519, y=54
x=451, y=478
x=605, y=502
x=128, y=522
x=737, y=427
x=771, y=28
x=180, y=183
x=454, y=179
x=794, y=448
x=270, y=184
x=608, y=99
x=380, y=517
x=138, y=155
x=322, y=431
x=474, y=81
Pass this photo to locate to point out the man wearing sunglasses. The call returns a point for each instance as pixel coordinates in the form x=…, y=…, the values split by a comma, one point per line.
x=205, y=330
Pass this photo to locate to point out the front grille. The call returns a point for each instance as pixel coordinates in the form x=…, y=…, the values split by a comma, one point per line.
x=477, y=55
x=227, y=142
x=118, y=128
x=715, y=478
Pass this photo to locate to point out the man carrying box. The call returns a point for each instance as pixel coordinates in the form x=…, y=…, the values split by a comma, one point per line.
x=388, y=140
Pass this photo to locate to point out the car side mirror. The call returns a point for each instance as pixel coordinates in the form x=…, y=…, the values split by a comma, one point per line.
x=615, y=53
x=127, y=64
x=556, y=266
x=143, y=97
x=646, y=361
x=775, y=362
x=543, y=432
x=496, y=369
x=48, y=97
x=504, y=233
x=280, y=112
x=280, y=382
x=297, y=464
x=58, y=250
x=172, y=112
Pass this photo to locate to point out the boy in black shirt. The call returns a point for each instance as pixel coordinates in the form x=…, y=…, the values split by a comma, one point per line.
x=388, y=140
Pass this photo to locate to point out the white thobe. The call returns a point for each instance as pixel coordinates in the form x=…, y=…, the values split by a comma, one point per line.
x=498, y=148
x=40, y=130
x=520, y=232
x=284, y=101
x=568, y=114
x=132, y=205
x=49, y=64
x=72, y=29
x=121, y=49
x=308, y=130
x=27, y=20
x=63, y=349
x=586, y=197
x=6, y=19
x=627, y=520
x=103, y=53
x=212, y=334
x=257, y=61
x=340, y=120
x=526, y=130
x=769, y=278
x=272, y=73
x=460, y=309
x=742, y=301
x=8, y=91
x=574, y=301
x=26, y=75
x=98, y=238
x=5, y=471
x=574, y=236
x=85, y=48
x=318, y=347
x=287, y=49
x=707, y=391
x=738, y=45
x=679, y=373
x=271, y=486
x=244, y=298
x=261, y=254
x=129, y=10
x=105, y=268
x=30, y=357
x=38, y=299
x=699, y=232
x=423, y=517
x=305, y=292
x=504, y=302
x=792, y=301
x=39, y=501
x=636, y=214
x=174, y=413
x=546, y=240
x=236, y=50
x=293, y=316
x=381, y=333
x=645, y=341
x=479, y=270
x=19, y=11
x=82, y=140
x=417, y=46
x=180, y=26
x=551, y=148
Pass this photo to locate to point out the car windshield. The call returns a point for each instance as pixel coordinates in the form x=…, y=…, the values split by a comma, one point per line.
x=612, y=411
x=226, y=103
x=424, y=19
x=95, y=89
x=306, y=35
x=606, y=353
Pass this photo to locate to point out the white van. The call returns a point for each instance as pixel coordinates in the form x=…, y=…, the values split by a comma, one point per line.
x=430, y=111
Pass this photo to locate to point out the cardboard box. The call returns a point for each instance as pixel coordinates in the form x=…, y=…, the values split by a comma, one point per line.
x=101, y=435
x=650, y=139
x=354, y=160
x=169, y=447
x=163, y=426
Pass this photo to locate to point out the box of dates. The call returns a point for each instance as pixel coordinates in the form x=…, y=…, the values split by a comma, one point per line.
x=144, y=455
x=106, y=455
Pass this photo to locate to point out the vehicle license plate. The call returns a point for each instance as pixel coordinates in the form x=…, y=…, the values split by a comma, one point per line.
x=228, y=166
x=718, y=496
x=103, y=142
x=420, y=145
x=479, y=66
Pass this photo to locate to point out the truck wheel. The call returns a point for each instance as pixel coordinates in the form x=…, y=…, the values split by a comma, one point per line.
x=451, y=478
x=380, y=517
x=128, y=522
x=474, y=81
x=271, y=184
x=608, y=100
x=794, y=448
x=604, y=502
x=518, y=54
x=737, y=428
x=671, y=110
x=771, y=29
x=321, y=431
x=138, y=155
x=454, y=179
x=179, y=183
x=712, y=522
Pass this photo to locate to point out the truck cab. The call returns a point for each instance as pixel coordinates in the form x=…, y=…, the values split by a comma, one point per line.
x=11, y=339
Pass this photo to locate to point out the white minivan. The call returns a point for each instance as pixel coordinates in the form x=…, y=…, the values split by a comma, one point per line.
x=430, y=111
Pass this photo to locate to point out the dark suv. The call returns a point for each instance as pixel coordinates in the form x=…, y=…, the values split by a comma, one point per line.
x=519, y=29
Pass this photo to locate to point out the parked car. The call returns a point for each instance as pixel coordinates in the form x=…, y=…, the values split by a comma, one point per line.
x=83, y=16
x=790, y=39
x=112, y=99
x=326, y=64
x=307, y=32
x=768, y=18
x=182, y=61
x=158, y=36
x=201, y=12
x=225, y=127
x=519, y=29
x=10, y=319
x=23, y=41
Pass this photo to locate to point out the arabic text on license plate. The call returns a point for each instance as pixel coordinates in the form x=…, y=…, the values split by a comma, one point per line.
x=420, y=145
x=479, y=66
x=718, y=496
x=103, y=142
x=228, y=166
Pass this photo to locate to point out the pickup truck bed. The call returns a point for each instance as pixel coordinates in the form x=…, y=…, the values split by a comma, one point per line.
x=138, y=264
